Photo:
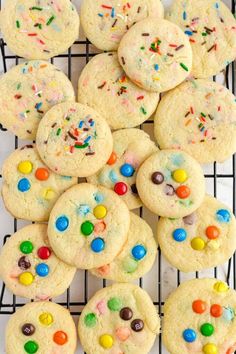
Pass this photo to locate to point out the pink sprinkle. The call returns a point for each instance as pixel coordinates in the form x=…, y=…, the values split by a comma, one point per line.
x=101, y=306
x=40, y=41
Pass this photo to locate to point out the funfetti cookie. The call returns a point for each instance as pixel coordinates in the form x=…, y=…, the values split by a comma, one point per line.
x=27, y=92
x=171, y=183
x=131, y=148
x=29, y=266
x=211, y=30
x=30, y=188
x=88, y=226
x=203, y=239
x=198, y=117
x=199, y=317
x=74, y=140
x=156, y=55
x=119, y=319
x=137, y=256
x=41, y=327
x=104, y=86
x=39, y=29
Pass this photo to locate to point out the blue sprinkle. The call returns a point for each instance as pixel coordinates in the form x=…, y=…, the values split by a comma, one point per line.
x=83, y=209
x=139, y=252
x=62, y=223
x=101, y=15
x=156, y=67
x=189, y=33
x=66, y=177
x=223, y=215
x=88, y=139
x=81, y=123
x=24, y=185
x=184, y=15
x=189, y=335
x=113, y=176
x=98, y=197
x=92, y=123
x=177, y=159
x=42, y=269
x=216, y=5
x=113, y=12
x=38, y=105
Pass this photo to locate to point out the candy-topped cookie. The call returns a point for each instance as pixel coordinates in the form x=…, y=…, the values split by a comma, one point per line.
x=131, y=148
x=39, y=29
x=105, y=22
x=198, y=117
x=42, y=328
x=27, y=92
x=119, y=319
x=171, y=183
x=211, y=30
x=156, y=55
x=29, y=267
x=203, y=239
x=74, y=140
x=88, y=226
x=137, y=256
x=199, y=317
x=104, y=86
x=30, y=188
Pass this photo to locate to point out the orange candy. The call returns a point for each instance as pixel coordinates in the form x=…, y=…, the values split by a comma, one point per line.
x=42, y=174
x=123, y=333
x=60, y=338
x=216, y=310
x=112, y=159
x=199, y=306
x=183, y=192
x=212, y=232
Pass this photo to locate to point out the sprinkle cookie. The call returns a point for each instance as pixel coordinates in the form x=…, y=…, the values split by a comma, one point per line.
x=199, y=317
x=119, y=319
x=198, y=117
x=41, y=327
x=74, y=140
x=88, y=226
x=171, y=184
x=29, y=188
x=211, y=30
x=156, y=55
x=30, y=268
x=27, y=92
x=104, y=86
x=105, y=22
x=137, y=256
x=131, y=148
x=203, y=239
x=39, y=29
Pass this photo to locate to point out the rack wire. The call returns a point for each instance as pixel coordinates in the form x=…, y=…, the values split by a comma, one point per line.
x=81, y=50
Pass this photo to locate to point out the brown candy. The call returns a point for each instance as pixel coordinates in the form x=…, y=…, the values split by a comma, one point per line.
x=190, y=219
x=24, y=263
x=134, y=189
x=157, y=178
x=126, y=313
x=137, y=325
x=169, y=190
x=28, y=329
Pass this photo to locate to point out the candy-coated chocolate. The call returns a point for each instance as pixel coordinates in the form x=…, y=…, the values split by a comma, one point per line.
x=114, y=304
x=25, y=167
x=62, y=223
x=26, y=247
x=121, y=188
x=221, y=287
x=42, y=174
x=28, y=329
x=183, y=192
x=216, y=310
x=24, y=263
x=24, y=185
x=48, y=193
x=46, y=319
x=87, y=228
x=42, y=269
x=198, y=244
x=210, y=348
x=98, y=245
x=180, y=176
x=199, y=306
x=126, y=313
x=134, y=189
x=179, y=235
x=139, y=252
x=90, y=320
x=157, y=178
x=26, y=278
x=190, y=219
x=123, y=333
x=189, y=335
x=31, y=347
x=207, y=329
x=228, y=314
x=44, y=252
x=212, y=232
x=137, y=325
x=130, y=265
x=60, y=338
x=223, y=215
x=100, y=211
x=106, y=341
x=113, y=158
x=127, y=170
x=169, y=190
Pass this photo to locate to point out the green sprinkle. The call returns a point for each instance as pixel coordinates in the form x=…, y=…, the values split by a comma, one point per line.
x=58, y=131
x=81, y=146
x=50, y=20
x=142, y=48
x=36, y=8
x=143, y=110
x=184, y=66
x=204, y=34
x=28, y=111
x=18, y=86
x=18, y=24
x=203, y=114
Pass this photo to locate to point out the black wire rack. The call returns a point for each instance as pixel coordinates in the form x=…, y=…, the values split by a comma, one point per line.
x=83, y=50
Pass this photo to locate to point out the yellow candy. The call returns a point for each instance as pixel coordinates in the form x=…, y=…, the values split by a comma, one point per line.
x=100, y=212
x=48, y=194
x=46, y=319
x=221, y=287
x=210, y=348
x=198, y=244
x=26, y=278
x=180, y=176
x=106, y=341
x=25, y=167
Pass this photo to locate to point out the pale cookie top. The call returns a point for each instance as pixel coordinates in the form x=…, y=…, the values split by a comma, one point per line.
x=30, y=188
x=199, y=318
x=27, y=92
x=156, y=55
x=211, y=30
x=105, y=22
x=41, y=327
x=119, y=319
x=203, y=239
x=30, y=268
x=39, y=29
x=104, y=86
x=198, y=117
x=88, y=226
x=171, y=183
x=74, y=140
x=131, y=148
x=137, y=256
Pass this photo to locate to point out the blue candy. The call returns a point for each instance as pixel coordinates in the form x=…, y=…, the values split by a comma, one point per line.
x=139, y=252
x=127, y=170
x=179, y=235
x=223, y=215
x=228, y=314
x=189, y=335
x=24, y=185
x=62, y=223
x=42, y=269
x=98, y=245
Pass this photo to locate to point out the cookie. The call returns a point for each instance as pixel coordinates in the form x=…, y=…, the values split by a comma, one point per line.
x=211, y=30
x=171, y=183
x=27, y=92
x=29, y=267
x=199, y=317
x=41, y=327
x=119, y=319
x=203, y=239
x=131, y=148
x=156, y=55
x=39, y=29
x=88, y=226
x=74, y=140
x=198, y=117
x=104, y=86
x=137, y=256
x=105, y=24
x=29, y=188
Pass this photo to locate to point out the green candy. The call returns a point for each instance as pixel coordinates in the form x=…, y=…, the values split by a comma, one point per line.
x=31, y=347
x=207, y=329
x=26, y=247
x=87, y=228
x=114, y=304
x=90, y=320
x=130, y=265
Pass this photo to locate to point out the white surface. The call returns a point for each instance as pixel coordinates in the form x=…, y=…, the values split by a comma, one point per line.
x=224, y=192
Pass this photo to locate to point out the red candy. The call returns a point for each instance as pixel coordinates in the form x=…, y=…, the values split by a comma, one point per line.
x=60, y=338
x=121, y=188
x=44, y=252
x=212, y=232
x=199, y=306
x=42, y=174
x=216, y=310
x=183, y=192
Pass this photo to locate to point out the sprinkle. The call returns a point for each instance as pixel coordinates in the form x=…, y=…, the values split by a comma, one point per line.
x=38, y=105
x=191, y=110
x=50, y=20
x=203, y=42
x=102, y=85
x=204, y=34
x=184, y=66
x=188, y=122
x=18, y=24
x=203, y=114
x=142, y=109
x=140, y=98
x=170, y=55
x=192, y=40
x=179, y=47
x=145, y=34
x=100, y=15
x=72, y=136
x=106, y=7
x=189, y=33
x=36, y=8
x=87, y=139
x=18, y=86
x=114, y=23
x=40, y=41
x=187, y=114
x=212, y=47
x=123, y=60
x=208, y=29
x=184, y=15
x=139, y=9
x=173, y=45
x=219, y=108
x=17, y=97
x=54, y=124
x=113, y=12
x=142, y=48
x=156, y=67
x=32, y=34
x=58, y=131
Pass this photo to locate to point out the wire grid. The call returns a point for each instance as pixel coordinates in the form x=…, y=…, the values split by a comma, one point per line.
x=9, y=307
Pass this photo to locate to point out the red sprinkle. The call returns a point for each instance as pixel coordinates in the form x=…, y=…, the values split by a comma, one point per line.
x=140, y=98
x=17, y=97
x=192, y=40
x=191, y=110
x=172, y=45
x=32, y=34
x=128, y=4
x=107, y=7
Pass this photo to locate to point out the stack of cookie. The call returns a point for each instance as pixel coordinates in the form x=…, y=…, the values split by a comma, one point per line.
x=90, y=224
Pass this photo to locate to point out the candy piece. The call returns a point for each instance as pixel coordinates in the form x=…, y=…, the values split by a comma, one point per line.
x=44, y=252
x=31, y=347
x=25, y=167
x=87, y=228
x=190, y=219
x=179, y=235
x=207, y=329
x=106, y=341
x=223, y=216
x=180, y=176
x=126, y=313
x=199, y=306
x=137, y=325
x=210, y=348
x=198, y=244
x=212, y=232
x=120, y=188
x=26, y=247
x=62, y=223
x=90, y=320
x=228, y=313
x=139, y=252
x=169, y=190
x=46, y=319
x=221, y=287
x=42, y=269
x=157, y=178
x=24, y=185
x=114, y=304
x=130, y=265
x=28, y=329
x=113, y=158
x=42, y=174
x=183, y=192
x=24, y=263
x=189, y=335
x=127, y=170
x=100, y=211
x=26, y=278
x=123, y=333
x=216, y=310
x=60, y=338
x=48, y=193
x=98, y=245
